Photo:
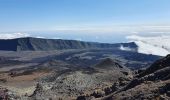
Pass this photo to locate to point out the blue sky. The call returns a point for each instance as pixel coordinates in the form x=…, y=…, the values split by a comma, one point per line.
x=65, y=18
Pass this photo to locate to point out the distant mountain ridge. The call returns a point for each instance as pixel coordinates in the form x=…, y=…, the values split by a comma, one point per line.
x=39, y=44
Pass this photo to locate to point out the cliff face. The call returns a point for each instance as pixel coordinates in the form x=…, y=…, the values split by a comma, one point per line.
x=16, y=44
x=33, y=44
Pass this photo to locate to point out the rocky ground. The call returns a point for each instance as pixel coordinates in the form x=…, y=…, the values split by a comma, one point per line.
x=78, y=82
x=71, y=74
x=151, y=84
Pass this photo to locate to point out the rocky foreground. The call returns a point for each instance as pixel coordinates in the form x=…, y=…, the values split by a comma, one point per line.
x=150, y=84
x=71, y=84
x=109, y=79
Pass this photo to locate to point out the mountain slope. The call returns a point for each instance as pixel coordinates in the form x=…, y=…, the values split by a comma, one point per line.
x=158, y=65
x=151, y=84
x=37, y=44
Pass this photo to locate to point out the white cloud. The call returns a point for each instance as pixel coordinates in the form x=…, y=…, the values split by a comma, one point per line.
x=13, y=35
x=125, y=48
x=41, y=37
x=117, y=29
x=56, y=38
x=156, y=45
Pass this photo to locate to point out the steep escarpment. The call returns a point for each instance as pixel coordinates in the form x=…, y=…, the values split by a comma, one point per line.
x=33, y=44
x=16, y=44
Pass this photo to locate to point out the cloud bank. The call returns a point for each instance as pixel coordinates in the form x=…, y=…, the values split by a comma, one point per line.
x=156, y=45
x=13, y=35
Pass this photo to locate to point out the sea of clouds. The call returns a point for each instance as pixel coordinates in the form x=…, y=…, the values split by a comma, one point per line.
x=13, y=35
x=155, y=45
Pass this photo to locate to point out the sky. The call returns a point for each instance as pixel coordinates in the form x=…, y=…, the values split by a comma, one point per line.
x=87, y=20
